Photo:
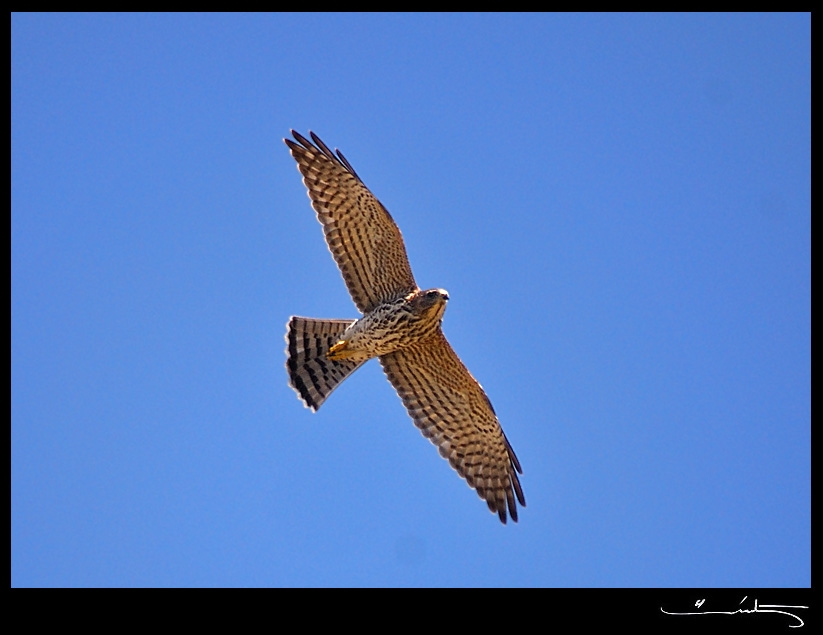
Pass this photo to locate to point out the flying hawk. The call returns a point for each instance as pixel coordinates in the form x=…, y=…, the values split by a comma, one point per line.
x=401, y=326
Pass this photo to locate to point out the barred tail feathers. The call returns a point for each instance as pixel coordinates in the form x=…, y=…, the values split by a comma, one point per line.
x=312, y=375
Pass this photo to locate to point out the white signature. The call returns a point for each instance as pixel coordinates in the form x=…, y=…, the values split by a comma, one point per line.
x=758, y=608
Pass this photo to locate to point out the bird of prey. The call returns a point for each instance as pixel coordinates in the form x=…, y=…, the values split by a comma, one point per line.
x=401, y=326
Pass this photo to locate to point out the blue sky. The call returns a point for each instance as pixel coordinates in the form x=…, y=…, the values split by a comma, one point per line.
x=619, y=207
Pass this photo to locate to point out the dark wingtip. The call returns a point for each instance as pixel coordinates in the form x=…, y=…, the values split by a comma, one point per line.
x=513, y=510
x=317, y=144
x=300, y=139
x=323, y=147
x=347, y=165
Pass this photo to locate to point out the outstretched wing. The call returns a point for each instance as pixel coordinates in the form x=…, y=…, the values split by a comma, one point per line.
x=360, y=232
x=453, y=412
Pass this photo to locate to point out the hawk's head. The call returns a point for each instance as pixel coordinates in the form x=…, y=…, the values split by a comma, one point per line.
x=429, y=304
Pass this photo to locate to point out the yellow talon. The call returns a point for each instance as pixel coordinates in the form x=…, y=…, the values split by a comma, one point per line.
x=338, y=351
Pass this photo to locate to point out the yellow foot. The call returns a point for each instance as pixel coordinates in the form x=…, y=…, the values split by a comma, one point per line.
x=338, y=351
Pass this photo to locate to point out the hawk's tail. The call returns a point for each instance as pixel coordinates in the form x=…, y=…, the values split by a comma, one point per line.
x=313, y=375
